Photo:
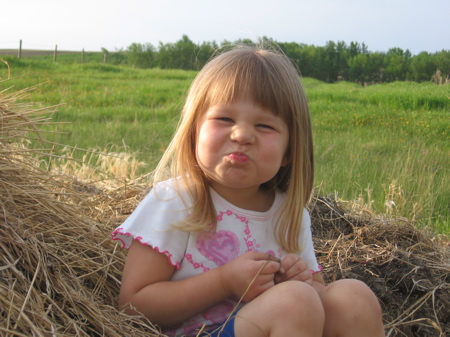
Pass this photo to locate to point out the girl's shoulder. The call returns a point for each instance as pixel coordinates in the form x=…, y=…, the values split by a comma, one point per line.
x=168, y=188
x=171, y=190
x=152, y=221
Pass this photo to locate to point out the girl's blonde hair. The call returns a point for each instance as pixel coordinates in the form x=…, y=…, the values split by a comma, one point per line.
x=270, y=78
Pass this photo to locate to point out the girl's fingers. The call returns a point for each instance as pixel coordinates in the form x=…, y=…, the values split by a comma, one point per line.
x=261, y=281
x=259, y=256
x=270, y=267
x=254, y=269
x=267, y=264
x=294, y=267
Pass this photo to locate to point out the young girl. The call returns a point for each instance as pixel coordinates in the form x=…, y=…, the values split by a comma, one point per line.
x=225, y=225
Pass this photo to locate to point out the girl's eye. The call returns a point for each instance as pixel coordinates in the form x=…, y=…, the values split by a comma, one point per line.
x=225, y=119
x=265, y=126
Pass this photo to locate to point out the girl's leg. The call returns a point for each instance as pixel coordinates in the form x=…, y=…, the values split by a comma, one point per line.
x=351, y=310
x=291, y=308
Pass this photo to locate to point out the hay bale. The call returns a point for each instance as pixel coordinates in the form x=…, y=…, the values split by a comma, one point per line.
x=408, y=269
x=60, y=273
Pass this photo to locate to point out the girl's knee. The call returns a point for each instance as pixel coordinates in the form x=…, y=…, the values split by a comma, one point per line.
x=295, y=292
x=289, y=298
x=290, y=306
x=297, y=298
x=351, y=309
x=351, y=296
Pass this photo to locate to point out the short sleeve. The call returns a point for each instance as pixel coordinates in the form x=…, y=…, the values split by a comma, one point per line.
x=308, y=253
x=152, y=223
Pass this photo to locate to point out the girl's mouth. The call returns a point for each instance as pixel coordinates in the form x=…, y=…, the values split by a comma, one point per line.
x=238, y=157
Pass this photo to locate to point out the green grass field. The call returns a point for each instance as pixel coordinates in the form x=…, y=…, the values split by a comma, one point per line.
x=386, y=147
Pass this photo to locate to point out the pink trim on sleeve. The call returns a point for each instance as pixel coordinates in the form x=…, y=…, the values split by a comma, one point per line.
x=118, y=231
x=177, y=265
x=317, y=271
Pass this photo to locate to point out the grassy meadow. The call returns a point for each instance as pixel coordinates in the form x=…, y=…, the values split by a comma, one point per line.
x=385, y=147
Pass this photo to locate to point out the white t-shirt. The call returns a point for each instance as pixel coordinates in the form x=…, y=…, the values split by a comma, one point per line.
x=238, y=231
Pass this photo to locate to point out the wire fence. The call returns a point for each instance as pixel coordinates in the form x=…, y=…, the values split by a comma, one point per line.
x=32, y=50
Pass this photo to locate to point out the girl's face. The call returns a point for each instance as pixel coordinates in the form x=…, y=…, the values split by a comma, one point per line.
x=240, y=146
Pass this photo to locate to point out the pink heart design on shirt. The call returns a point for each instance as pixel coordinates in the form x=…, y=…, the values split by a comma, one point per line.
x=220, y=247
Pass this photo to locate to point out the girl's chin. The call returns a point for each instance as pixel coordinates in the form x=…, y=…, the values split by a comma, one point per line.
x=233, y=184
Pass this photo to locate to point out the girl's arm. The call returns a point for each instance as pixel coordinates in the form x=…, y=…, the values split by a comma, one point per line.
x=147, y=287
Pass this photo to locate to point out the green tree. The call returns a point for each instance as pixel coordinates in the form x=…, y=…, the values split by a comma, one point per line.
x=294, y=51
x=178, y=55
x=375, y=67
x=204, y=53
x=359, y=68
x=397, y=64
x=442, y=60
x=354, y=49
x=342, y=60
x=117, y=57
x=141, y=55
x=330, y=62
x=313, y=62
x=422, y=67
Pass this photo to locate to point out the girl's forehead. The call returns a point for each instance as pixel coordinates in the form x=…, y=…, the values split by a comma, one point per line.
x=268, y=92
x=238, y=101
x=236, y=98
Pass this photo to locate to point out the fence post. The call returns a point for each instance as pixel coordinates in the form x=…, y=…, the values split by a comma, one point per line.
x=82, y=55
x=105, y=58
x=55, y=54
x=19, y=53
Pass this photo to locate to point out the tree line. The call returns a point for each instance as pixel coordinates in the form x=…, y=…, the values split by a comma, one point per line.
x=336, y=61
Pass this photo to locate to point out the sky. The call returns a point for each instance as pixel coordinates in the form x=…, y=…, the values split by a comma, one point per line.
x=91, y=25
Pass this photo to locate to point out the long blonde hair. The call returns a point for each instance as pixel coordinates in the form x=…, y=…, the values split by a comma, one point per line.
x=268, y=77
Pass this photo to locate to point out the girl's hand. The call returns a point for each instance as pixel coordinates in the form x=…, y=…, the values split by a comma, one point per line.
x=293, y=267
x=237, y=275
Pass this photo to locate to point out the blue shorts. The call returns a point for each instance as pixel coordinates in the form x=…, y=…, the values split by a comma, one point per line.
x=228, y=330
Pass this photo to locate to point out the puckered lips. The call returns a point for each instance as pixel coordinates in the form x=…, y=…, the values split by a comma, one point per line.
x=238, y=157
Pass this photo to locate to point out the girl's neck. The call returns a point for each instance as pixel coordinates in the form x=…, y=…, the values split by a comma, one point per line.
x=254, y=199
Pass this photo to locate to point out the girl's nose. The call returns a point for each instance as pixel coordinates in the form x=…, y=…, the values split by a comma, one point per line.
x=242, y=134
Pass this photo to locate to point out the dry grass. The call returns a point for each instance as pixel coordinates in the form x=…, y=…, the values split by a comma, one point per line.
x=439, y=78
x=60, y=272
x=408, y=269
